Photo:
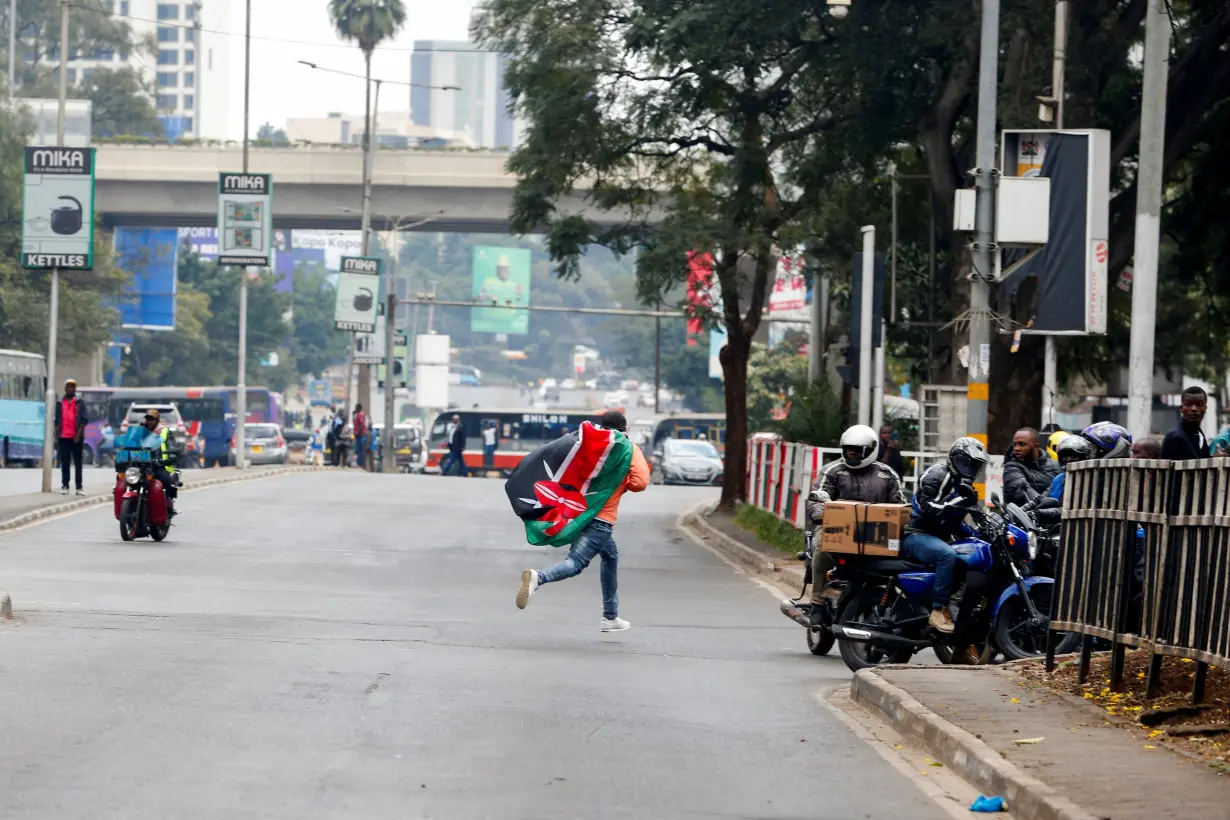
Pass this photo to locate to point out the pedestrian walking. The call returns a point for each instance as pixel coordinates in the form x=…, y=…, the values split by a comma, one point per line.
x=490, y=435
x=359, y=422
x=339, y=429
x=70, y=422
x=1187, y=440
x=456, y=456
x=598, y=537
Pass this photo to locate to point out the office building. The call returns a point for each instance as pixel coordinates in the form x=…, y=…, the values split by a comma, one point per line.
x=479, y=106
x=394, y=129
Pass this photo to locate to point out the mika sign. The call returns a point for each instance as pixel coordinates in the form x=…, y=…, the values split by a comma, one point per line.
x=245, y=219
x=57, y=220
x=358, y=293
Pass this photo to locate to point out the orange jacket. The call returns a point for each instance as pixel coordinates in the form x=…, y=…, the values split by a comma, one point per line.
x=636, y=480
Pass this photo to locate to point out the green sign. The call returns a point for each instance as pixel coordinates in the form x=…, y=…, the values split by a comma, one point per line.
x=401, y=362
x=501, y=277
x=57, y=220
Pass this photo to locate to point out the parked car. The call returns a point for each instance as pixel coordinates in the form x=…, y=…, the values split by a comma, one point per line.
x=615, y=398
x=568, y=384
x=685, y=461
x=298, y=442
x=629, y=384
x=408, y=444
x=263, y=444
x=187, y=450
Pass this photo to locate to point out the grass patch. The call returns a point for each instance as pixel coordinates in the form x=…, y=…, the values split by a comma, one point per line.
x=769, y=529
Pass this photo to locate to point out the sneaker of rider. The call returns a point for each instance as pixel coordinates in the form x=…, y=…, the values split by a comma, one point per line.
x=615, y=624
x=941, y=621
x=529, y=585
x=64, y=491
x=79, y=491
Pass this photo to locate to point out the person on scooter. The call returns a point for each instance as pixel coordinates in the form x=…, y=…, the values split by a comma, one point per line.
x=1069, y=451
x=858, y=476
x=941, y=502
x=169, y=478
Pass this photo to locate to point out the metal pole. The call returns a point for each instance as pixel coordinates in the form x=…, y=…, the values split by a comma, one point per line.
x=369, y=120
x=892, y=310
x=12, y=49
x=865, y=319
x=977, y=392
x=50, y=434
x=241, y=387
x=1148, y=218
x=1050, y=363
x=815, y=349
x=931, y=267
x=657, y=364
x=431, y=309
x=388, y=452
x=824, y=321
x=877, y=387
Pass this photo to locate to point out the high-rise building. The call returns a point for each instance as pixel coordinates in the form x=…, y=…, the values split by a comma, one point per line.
x=190, y=69
x=480, y=105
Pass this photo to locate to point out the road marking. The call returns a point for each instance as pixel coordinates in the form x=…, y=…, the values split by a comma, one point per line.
x=944, y=788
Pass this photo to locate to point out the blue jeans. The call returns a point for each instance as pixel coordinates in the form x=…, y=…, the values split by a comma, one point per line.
x=451, y=460
x=489, y=455
x=931, y=550
x=596, y=539
x=360, y=450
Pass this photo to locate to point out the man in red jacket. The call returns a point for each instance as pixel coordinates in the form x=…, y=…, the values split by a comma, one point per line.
x=359, y=421
x=70, y=424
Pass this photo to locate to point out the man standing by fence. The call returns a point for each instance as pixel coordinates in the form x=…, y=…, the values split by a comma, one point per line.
x=1187, y=440
x=70, y=424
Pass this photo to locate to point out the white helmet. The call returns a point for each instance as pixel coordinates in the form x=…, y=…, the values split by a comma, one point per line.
x=862, y=438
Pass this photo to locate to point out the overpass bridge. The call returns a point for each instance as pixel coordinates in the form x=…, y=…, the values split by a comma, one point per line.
x=313, y=187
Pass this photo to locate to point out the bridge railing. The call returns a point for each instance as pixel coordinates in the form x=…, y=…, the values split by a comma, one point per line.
x=1145, y=563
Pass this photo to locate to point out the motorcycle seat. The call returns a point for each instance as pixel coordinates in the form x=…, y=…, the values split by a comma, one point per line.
x=892, y=566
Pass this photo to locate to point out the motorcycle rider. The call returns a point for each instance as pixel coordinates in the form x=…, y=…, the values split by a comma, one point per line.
x=1069, y=451
x=857, y=476
x=169, y=478
x=942, y=500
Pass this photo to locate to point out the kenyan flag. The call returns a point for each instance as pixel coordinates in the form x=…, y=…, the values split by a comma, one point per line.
x=559, y=488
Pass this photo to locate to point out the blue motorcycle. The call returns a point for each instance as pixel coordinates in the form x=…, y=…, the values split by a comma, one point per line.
x=999, y=606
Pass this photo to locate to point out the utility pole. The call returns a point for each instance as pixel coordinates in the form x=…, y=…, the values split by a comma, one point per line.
x=892, y=252
x=657, y=364
x=50, y=434
x=865, y=320
x=1050, y=362
x=815, y=351
x=369, y=160
x=1148, y=218
x=12, y=49
x=979, y=356
x=241, y=388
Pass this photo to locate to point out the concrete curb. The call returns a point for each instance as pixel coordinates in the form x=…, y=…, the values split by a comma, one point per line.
x=33, y=516
x=742, y=555
x=1028, y=798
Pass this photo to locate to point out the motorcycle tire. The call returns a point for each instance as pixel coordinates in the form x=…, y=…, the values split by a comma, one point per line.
x=128, y=520
x=859, y=606
x=1013, y=637
x=820, y=640
x=159, y=532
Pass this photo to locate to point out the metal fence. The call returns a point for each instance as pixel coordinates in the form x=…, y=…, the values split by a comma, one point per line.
x=780, y=474
x=1146, y=563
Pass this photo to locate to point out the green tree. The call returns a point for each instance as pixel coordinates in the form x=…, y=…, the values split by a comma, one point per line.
x=316, y=345
x=368, y=23
x=274, y=136
x=121, y=103
x=696, y=123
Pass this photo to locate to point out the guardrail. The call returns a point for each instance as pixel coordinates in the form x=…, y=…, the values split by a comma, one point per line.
x=780, y=474
x=1145, y=563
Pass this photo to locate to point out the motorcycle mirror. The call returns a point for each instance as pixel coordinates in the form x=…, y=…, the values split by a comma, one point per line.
x=996, y=500
x=1049, y=504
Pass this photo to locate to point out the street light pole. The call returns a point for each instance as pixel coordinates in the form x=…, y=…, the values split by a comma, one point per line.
x=979, y=355
x=50, y=434
x=1050, y=361
x=241, y=388
x=1148, y=218
x=12, y=49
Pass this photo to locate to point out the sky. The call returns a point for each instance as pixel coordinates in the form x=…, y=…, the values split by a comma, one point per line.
x=282, y=88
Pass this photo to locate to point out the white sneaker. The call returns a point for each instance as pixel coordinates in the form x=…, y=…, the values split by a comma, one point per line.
x=615, y=625
x=529, y=584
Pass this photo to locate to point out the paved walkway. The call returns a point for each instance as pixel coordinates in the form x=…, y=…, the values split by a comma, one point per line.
x=1107, y=769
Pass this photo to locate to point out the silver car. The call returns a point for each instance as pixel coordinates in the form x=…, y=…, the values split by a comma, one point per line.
x=686, y=461
x=263, y=444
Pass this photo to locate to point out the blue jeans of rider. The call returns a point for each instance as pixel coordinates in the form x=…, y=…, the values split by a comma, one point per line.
x=932, y=550
x=596, y=539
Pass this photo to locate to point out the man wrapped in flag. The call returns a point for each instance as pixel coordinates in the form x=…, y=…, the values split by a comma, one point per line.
x=568, y=492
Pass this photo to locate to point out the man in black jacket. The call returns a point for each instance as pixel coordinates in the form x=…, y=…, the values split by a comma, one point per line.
x=1187, y=440
x=1028, y=470
x=70, y=422
x=456, y=448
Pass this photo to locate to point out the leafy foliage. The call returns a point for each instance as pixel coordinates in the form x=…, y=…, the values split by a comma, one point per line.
x=121, y=103
x=367, y=22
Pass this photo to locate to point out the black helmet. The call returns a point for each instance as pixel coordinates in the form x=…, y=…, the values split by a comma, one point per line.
x=1074, y=448
x=1109, y=440
x=967, y=458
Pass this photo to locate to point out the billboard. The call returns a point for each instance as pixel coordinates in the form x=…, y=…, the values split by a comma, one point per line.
x=150, y=256
x=501, y=276
x=789, y=297
x=358, y=291
x=245, y=218
x=700, y=292
x=57, y=228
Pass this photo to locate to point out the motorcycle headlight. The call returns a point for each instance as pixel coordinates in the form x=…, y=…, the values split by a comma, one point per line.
x=132, y=475
x=1033, y=548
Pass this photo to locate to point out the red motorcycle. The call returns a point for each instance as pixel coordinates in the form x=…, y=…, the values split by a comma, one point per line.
x=140, y=499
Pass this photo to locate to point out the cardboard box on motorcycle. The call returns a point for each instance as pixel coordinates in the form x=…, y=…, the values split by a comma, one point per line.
x=855, y=528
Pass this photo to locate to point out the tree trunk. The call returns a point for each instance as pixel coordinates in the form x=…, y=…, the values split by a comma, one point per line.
x=734, y=369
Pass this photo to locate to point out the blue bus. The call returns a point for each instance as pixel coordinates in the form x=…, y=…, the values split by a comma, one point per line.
x=23, y=416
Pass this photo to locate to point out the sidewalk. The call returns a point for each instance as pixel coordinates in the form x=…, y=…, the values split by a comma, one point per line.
x=1049, y=756
x=19, y=509
x=720, y=531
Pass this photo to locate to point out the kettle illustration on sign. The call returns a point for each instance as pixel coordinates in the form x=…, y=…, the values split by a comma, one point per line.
x=363, y=300
x=66, y=220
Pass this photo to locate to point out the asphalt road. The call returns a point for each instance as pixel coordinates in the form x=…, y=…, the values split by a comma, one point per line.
x=346, y=645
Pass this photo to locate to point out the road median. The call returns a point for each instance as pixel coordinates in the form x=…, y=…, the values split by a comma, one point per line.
x=26, y=510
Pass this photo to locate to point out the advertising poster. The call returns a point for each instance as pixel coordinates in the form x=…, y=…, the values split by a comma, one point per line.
x=358, y=293
x=501, y=276
x=245, y=219
x=151, y=258
x=701, y=288
x=788, y=299
x=57, y=218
